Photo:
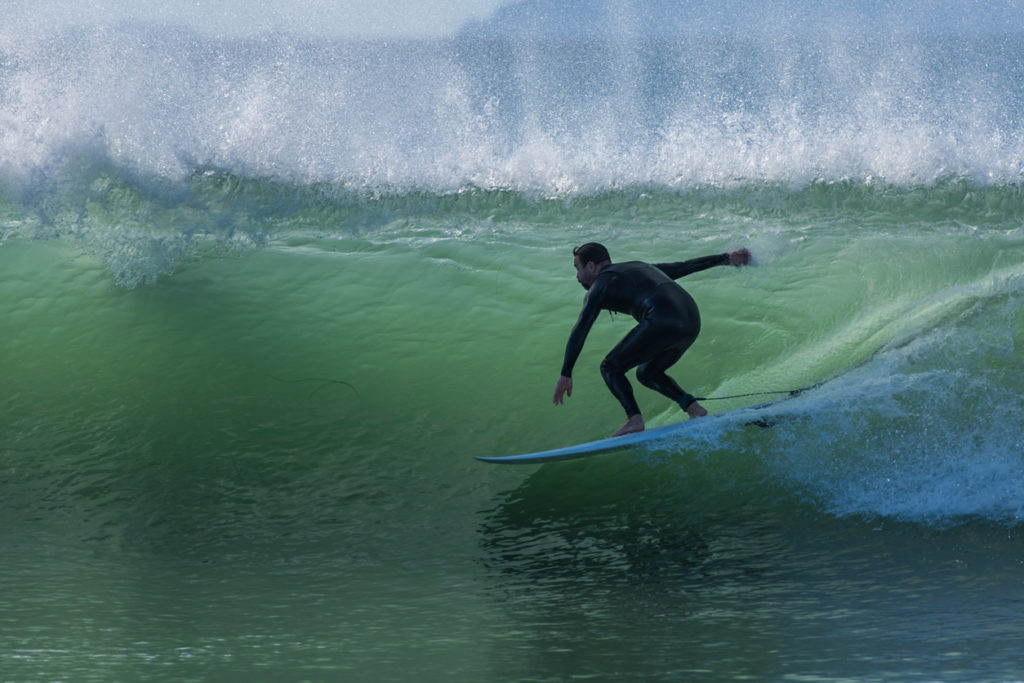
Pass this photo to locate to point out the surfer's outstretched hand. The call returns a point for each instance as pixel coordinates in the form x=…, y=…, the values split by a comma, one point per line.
x=740, y=257
x=564, y=388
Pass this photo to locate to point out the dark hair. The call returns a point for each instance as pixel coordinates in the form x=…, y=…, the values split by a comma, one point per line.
x=591, y=252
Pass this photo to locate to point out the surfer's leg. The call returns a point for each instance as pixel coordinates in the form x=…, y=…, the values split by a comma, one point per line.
x=652, y=375
x=620, y=360
x=613, y=370
x=643, y=343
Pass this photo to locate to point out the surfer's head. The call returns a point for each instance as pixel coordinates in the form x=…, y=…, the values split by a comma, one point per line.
x=589, y=259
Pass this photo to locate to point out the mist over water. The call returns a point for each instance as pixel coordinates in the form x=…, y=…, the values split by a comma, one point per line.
x=526, y=111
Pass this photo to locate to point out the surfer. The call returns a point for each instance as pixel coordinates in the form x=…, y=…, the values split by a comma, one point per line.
x=668, y=318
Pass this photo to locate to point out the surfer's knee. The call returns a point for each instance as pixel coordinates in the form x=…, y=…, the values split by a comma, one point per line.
x=648, y=377
x=610, y=367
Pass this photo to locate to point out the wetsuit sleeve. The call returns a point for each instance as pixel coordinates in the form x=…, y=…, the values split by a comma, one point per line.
x=683, y=268
x=581, y=329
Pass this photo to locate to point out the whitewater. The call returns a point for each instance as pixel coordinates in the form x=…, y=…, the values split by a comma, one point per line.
x=265, y=296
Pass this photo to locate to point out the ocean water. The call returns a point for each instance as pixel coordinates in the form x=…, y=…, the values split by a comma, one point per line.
x=264, y=298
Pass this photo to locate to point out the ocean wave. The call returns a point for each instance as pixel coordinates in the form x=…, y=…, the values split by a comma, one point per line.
x=553, y=117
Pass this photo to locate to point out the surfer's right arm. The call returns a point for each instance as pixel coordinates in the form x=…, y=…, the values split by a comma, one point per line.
x=591, y=309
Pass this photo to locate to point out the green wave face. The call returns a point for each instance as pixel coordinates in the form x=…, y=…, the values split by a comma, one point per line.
x=431, y=327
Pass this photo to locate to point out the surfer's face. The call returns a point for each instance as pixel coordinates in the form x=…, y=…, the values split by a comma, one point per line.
x=585, y=274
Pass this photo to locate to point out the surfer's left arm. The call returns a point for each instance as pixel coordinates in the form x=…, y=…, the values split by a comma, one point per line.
x=740, y=257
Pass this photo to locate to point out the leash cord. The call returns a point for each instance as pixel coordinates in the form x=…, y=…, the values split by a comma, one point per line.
x=791, y=392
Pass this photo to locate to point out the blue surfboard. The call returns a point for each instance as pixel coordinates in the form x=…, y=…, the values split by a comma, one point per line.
x=581, y=450
x=647, y=438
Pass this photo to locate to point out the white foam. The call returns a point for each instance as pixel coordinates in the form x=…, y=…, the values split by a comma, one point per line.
x=550, y=118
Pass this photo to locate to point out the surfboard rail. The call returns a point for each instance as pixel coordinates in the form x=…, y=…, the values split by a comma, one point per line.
x=607, y=445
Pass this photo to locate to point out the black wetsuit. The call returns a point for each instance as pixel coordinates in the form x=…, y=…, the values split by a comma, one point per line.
x=669, y=324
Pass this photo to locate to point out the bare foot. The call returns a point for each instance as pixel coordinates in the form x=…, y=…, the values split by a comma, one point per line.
x=633, y=424
x=696, y=410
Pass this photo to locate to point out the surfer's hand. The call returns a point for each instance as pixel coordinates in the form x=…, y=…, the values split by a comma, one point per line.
x=564, y=388
x=740, y=257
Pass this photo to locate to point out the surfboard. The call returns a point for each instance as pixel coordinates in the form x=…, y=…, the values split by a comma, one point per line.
x=647, y=438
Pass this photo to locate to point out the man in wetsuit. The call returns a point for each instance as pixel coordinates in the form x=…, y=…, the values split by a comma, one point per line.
x=668, y=324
